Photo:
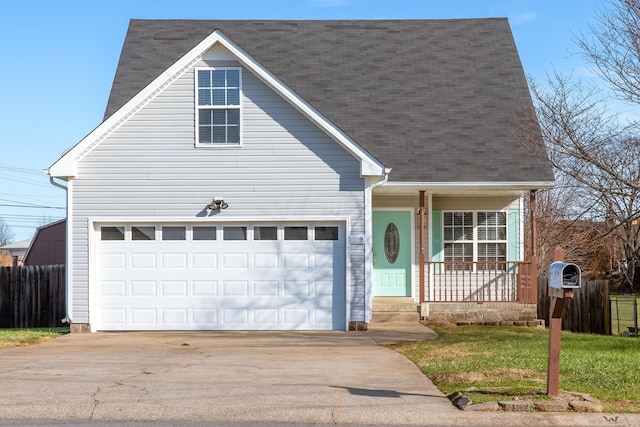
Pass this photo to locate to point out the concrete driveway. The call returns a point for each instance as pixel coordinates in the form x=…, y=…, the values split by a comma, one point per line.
x=227, y=377
x=296, y=377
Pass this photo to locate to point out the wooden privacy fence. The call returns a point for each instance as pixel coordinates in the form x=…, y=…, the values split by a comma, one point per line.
x=589, y=311
x=32, y=296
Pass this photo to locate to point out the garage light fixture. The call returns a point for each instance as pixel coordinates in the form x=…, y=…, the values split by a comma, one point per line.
x=217, y=204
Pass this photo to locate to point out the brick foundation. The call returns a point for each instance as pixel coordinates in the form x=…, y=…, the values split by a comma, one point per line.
x=358, y=326
x=80, y=328
x=486, y=312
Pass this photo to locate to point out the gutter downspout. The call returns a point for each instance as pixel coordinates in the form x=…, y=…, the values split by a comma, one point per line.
x=532, y=297
x=421, y=262
x=66, y=254
x=369, y=243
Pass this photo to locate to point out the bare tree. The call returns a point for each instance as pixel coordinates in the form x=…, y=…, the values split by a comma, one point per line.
x=585, y=241
x=595, y=155
x=613, y=47
x=6, y=234
x=597, y=162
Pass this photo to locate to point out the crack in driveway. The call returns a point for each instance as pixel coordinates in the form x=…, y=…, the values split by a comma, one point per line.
x=95, y=403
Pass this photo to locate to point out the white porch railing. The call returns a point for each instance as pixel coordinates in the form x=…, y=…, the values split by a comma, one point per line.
x=486, y=281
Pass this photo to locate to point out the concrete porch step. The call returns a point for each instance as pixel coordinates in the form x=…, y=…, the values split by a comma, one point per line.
x=395, y=309
x=399, y=304
x=394, y=316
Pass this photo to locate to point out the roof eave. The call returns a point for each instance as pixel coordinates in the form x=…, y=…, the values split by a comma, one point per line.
x=464, y=188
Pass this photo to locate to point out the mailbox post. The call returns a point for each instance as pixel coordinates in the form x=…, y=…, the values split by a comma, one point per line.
x=563, y=278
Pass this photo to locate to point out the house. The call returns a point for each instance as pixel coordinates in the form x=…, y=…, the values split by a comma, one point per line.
x=286, y=174
x=48, y=246
x=15, y=251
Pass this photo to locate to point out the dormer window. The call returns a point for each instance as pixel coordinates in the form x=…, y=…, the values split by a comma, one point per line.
x=218, y=106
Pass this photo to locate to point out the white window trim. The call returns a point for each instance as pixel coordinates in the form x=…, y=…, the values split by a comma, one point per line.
x=197, y=108
x=475, y=241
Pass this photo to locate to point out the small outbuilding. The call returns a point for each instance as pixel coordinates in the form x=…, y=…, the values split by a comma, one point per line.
x=48, y=246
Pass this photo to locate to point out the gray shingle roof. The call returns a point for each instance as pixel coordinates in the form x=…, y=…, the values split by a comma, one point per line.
x=433, y=99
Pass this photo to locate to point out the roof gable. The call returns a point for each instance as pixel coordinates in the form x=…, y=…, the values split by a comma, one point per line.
x=434, y=100
x=66, y=166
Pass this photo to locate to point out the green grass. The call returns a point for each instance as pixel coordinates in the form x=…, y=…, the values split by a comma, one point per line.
x=505, y=362
x=22, y=337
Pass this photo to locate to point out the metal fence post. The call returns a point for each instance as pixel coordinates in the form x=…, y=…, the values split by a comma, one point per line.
x=635, y=316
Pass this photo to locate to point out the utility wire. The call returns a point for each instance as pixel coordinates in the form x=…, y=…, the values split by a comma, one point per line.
x=24, y=205
x=19, y=169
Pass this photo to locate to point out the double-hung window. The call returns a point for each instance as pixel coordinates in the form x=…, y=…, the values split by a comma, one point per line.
x=475, y=237
x=218, y=106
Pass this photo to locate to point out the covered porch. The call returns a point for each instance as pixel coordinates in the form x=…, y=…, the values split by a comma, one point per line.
x=436, y=278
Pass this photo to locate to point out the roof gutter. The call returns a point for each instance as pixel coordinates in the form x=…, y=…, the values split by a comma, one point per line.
x=445, y=187
x=55, y=184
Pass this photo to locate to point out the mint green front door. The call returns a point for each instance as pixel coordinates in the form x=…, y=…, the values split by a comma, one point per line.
x=392, y=253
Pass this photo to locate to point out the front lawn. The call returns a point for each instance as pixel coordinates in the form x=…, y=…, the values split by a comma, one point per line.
x=504, y=362
x=22, y=337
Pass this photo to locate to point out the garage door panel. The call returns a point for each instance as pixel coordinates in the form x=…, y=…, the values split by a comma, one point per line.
x=324, y=288
x=144, y=316
x=111, y=261
x=173, y=288
x=297, y=288
x=324, y=260
x=114, y=288
x=265, y=260
x=266, y=288
x=296, y=260
x=266, y=316
x=177, y=316
x=174, y=261
x=297, y=316
x=235, y=288
x=114, y=316
x=205, y=316
x=322, y=316
x=204, y=260
x=203, y=288
x=144, y=261
x=143, y=288
x=292, y=312
x=239, y=316
x=235, y=260
x=218, y=285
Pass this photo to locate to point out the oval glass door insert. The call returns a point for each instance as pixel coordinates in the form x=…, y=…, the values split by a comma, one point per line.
x=391, y=242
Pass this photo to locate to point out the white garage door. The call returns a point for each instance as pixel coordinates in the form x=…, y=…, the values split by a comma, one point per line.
x=225, y=277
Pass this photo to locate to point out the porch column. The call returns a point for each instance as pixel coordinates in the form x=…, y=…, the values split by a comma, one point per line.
x=421, y=262
x=533, y=289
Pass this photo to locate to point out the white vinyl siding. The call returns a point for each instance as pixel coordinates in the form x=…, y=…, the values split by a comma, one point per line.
x=286, y=168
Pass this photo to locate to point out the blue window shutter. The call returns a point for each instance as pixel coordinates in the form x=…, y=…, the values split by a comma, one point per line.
x=513, y=235
x=436, y=237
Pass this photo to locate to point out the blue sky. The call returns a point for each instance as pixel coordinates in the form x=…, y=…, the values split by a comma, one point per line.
x=59, y=58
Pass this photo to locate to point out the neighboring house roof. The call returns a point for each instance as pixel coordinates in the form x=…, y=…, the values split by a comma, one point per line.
x=48, y=246
x=16, y=247
x=434, y=100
